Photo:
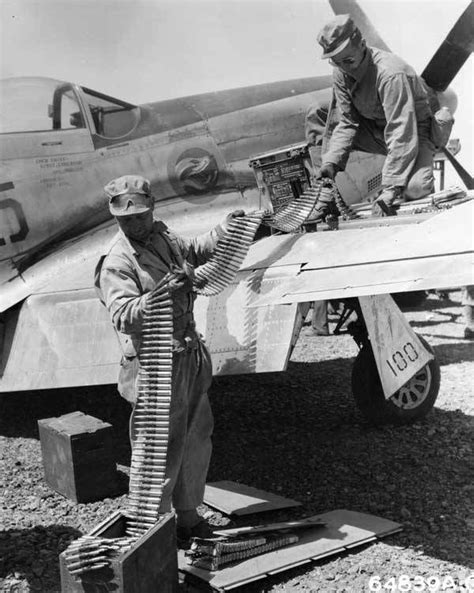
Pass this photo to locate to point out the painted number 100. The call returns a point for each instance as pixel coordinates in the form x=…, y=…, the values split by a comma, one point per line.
x=402, y=358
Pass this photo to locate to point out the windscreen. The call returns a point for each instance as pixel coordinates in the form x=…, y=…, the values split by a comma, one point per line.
x=37, y=105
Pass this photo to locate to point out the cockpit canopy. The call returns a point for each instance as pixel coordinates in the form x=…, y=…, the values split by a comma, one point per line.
x=42, y=104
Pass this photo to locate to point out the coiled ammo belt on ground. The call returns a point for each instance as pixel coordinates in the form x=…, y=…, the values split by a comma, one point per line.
x=216, y=553
x=150, y=419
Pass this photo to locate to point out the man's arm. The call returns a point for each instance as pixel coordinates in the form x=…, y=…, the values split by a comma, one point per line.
x=344, y=133
x=401, y=133
x=122, y=294
x=199, y=249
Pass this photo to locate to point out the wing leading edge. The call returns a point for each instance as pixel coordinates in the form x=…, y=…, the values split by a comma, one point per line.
x=435, y=253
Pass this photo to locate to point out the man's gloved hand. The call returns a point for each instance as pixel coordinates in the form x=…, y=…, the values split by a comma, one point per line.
x=236, y=214
x=181, y=278
x=388, y=201
x=324, y=206
x=311, y=137
x=329, y=170
x=178, y=279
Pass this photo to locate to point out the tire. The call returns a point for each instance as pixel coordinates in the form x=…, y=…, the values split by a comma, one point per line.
x=411, y=403
x=410, y=300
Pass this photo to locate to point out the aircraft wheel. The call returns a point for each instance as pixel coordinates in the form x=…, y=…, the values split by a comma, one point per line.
x=410, y=300
x=412, y=402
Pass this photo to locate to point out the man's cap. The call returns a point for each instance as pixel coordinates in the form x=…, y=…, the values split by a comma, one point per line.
x=336, y=35
x=129, y=194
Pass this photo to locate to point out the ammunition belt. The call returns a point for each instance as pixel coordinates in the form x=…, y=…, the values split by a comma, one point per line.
x=294, y=214
x=219, y=271
x=213, y=554
x=346, y=211
x=232, y=247
x=150, y=418
x=150, y=429
x=91, y=553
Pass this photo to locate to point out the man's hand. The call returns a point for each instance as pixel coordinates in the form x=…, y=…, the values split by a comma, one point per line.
x=311, y=137
x=236, y=214
x=178, y=279
x=229, y=217
x=388, y=201
x=329, y=170
x=181, y=278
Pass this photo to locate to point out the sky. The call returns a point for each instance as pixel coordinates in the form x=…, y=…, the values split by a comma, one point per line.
x=147, y=50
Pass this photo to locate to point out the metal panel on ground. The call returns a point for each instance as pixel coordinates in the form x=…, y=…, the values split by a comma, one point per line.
x=233, y=498
x=343, y=530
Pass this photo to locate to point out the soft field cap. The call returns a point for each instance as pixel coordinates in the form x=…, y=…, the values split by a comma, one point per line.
x=129, y=194
x=336, y=35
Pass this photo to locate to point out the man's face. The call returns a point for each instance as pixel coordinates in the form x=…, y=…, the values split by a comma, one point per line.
x=350, y=58
x=136, y=226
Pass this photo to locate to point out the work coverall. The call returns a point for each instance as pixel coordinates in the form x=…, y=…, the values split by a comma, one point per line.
x=128, y=272
x=382, y=109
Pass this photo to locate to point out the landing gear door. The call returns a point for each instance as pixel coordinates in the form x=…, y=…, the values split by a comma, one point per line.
x=399, y=353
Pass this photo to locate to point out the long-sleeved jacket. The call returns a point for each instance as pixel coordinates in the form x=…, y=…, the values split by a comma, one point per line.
x=388, y=91
x=131, y=269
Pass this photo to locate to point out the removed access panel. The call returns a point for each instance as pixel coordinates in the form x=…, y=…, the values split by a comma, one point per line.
x=343, y=530
x=233, y=498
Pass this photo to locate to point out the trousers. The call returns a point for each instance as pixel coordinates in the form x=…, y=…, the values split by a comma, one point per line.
x=370, y=138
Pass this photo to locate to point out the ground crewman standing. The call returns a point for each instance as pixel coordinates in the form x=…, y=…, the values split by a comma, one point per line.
x=141, y=255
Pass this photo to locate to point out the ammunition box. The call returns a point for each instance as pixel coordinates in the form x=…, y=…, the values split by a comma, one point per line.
x=78, y=457
x=283, y=174
x=151, y=564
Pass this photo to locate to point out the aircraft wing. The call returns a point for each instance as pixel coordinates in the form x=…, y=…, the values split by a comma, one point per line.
x=434, y=253
x=61, y=335
x=55, y=332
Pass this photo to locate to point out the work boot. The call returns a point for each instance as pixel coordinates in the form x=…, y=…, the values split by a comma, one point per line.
x=388, y=201
x=202, y=529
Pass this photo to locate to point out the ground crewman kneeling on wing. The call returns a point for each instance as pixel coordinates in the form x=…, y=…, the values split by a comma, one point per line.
x=382, y=107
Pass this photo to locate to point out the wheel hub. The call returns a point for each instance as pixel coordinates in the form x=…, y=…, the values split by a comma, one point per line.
x=415, y=391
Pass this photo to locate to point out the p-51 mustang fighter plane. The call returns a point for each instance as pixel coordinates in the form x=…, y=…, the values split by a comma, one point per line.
x=60, y=143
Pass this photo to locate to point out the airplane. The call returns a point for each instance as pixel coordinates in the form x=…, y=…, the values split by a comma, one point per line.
x=60, y=143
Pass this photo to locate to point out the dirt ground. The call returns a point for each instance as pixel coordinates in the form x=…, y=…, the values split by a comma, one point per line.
x=297, y=434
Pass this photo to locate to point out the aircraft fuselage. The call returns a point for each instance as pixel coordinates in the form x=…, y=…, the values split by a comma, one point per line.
x=59, y=151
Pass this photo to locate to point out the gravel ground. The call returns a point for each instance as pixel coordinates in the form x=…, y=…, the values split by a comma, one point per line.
x=297, y=434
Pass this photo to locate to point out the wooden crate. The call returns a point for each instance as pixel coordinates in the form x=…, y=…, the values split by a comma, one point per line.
x=149, y=566
x=79, y=457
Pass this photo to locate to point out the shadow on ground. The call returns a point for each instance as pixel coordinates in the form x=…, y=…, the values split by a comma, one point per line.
x=32, y=555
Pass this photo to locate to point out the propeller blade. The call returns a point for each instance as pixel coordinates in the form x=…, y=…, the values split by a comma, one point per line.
x=452, y=53
x=460, y=170
x=369, y=32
